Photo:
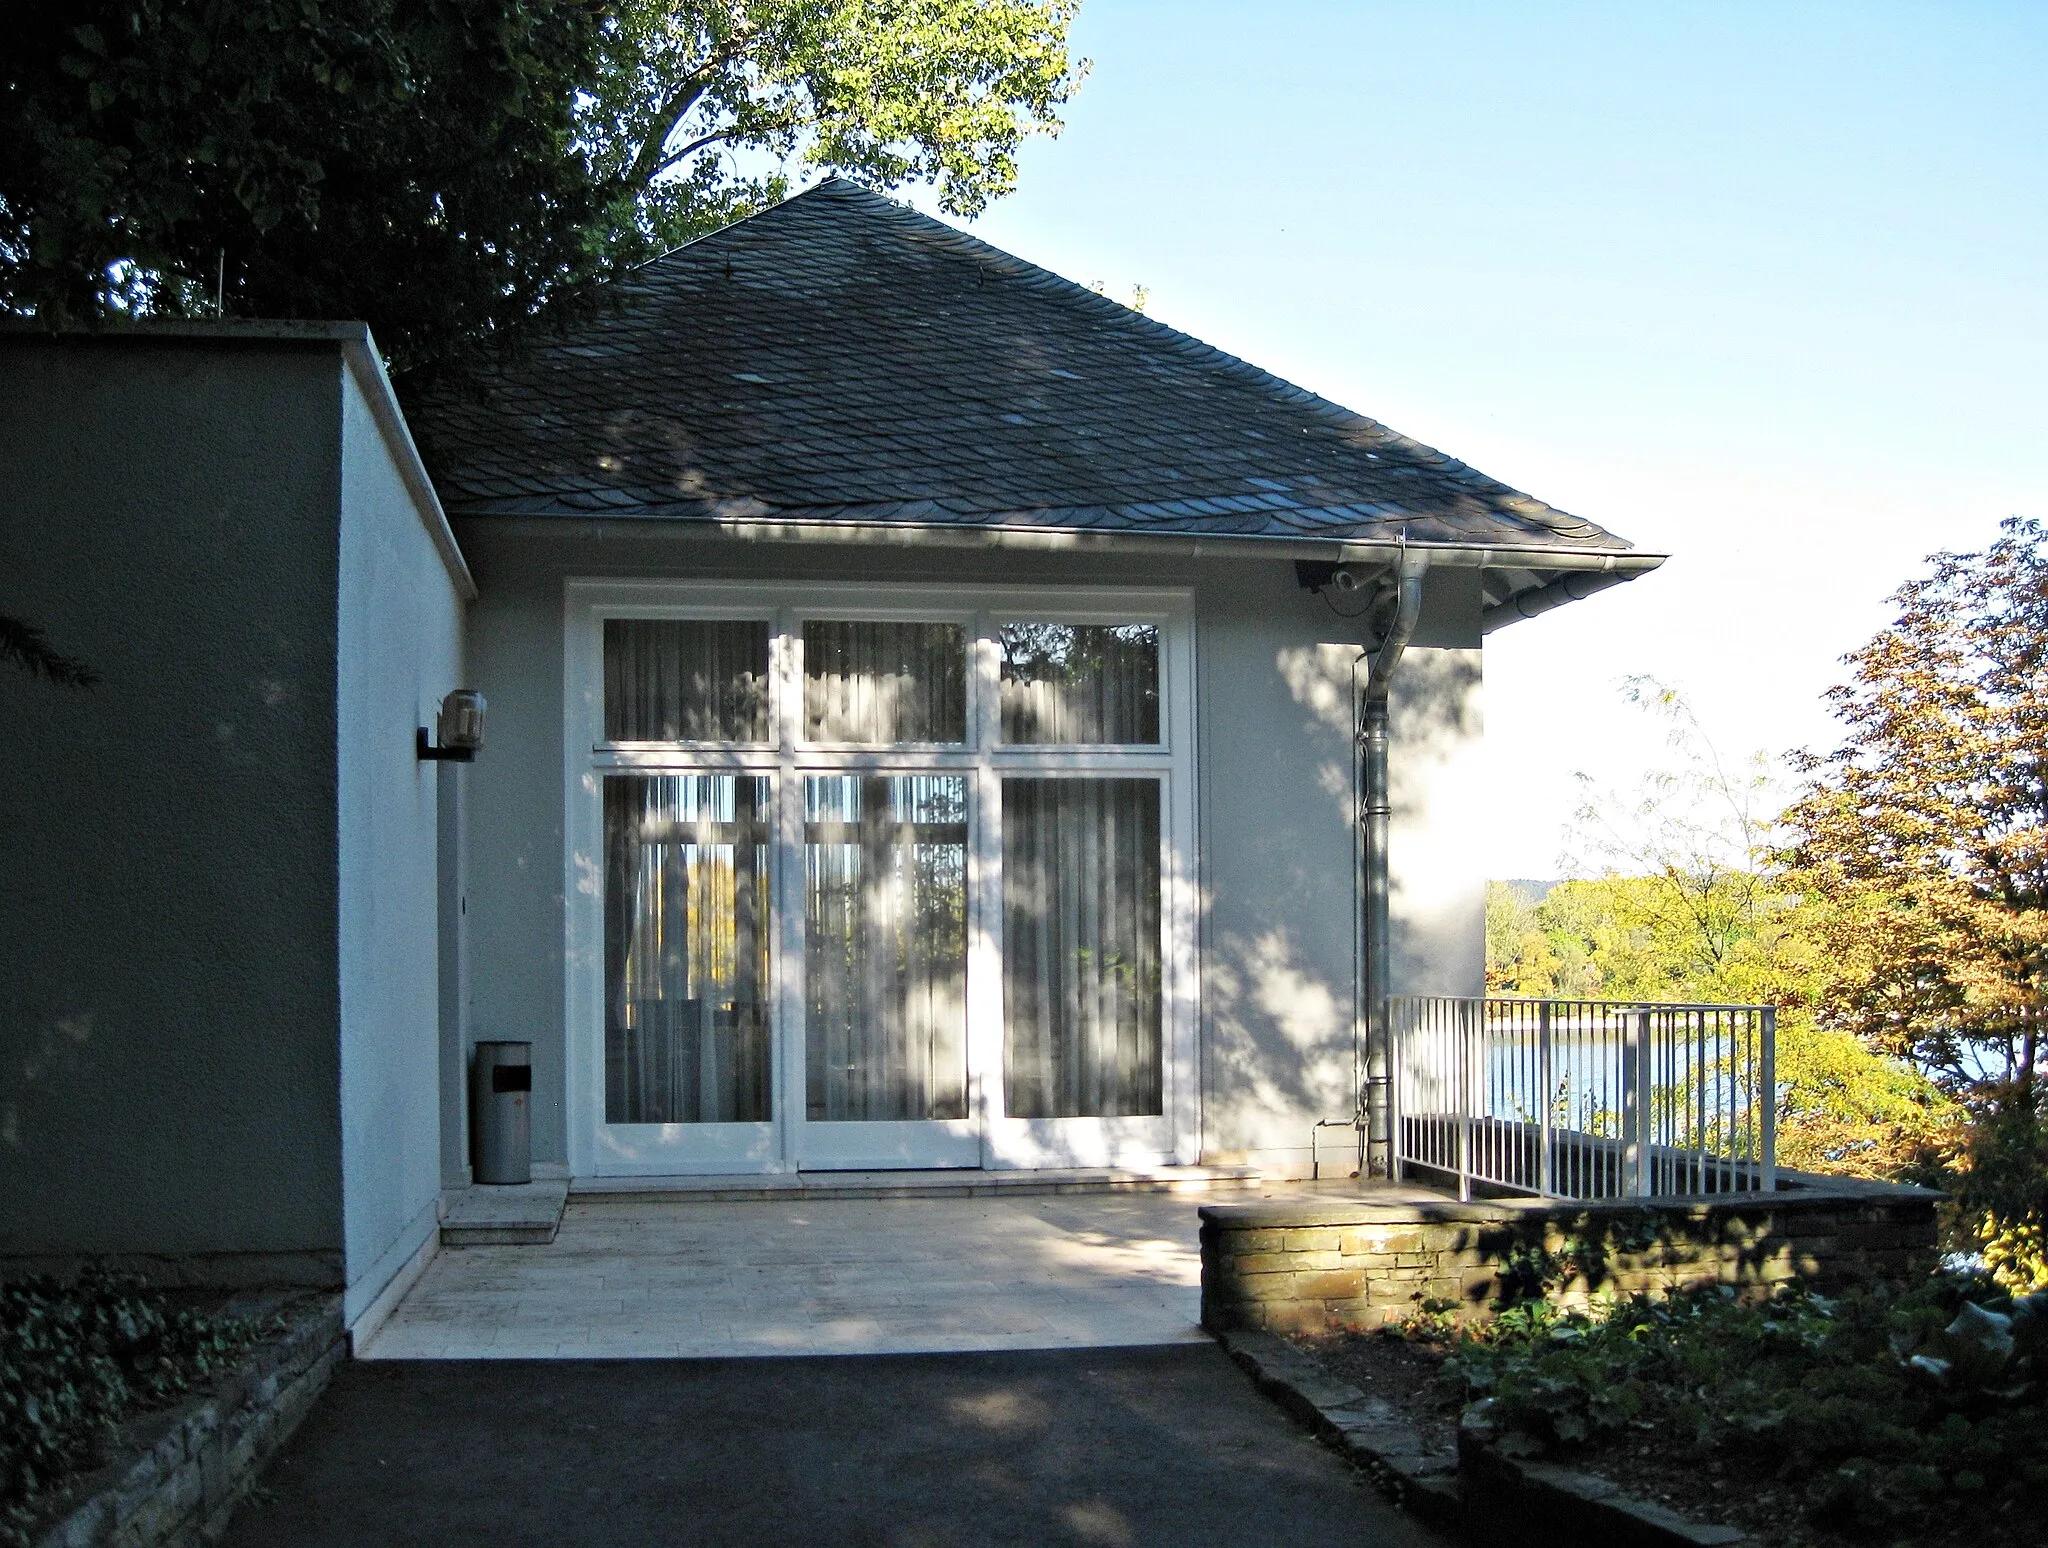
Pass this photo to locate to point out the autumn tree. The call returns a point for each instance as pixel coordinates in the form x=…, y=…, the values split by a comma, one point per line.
x=447, y=170
x=1925, y=833
x=1923, y=839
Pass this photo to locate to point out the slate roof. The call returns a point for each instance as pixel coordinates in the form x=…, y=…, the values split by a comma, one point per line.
x=842, y=359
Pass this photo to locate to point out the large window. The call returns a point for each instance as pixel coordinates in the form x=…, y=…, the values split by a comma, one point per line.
x=819, y=825
x=1081, y=947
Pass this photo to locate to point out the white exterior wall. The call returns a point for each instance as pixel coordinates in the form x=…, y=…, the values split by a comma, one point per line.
x=1275, y=777
x=400, y=622
x=1438, y=863
x=1279, y=801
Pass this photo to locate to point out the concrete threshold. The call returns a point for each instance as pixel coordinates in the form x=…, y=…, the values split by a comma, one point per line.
x=951, y=1184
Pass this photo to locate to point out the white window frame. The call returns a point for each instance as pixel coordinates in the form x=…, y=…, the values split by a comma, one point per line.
x=986, y=1137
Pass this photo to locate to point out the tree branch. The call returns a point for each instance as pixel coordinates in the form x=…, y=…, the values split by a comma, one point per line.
x=648, y=161
x=23, y=645
x=683, y=155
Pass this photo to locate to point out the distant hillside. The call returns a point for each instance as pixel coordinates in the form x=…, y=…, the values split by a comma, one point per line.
x=1527, y=889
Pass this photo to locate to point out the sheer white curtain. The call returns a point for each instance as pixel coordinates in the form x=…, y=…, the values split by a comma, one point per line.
x=685, y=680
x=686, y=948
x=1065, y=684
x=1081, y=948
x=879, y=683
x=885, y=947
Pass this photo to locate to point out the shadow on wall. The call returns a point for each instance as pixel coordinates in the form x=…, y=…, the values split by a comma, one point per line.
x=1439, y=842
x=1280, y=1045
x=1278, y=989
x=56, y=1054
x=1319, y=679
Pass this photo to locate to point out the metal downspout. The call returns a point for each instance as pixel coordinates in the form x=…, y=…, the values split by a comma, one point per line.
x=1375, y=818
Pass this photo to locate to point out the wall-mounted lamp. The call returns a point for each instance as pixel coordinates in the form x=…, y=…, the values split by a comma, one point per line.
x=460, y=729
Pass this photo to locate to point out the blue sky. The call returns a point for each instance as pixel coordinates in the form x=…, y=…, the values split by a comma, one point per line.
x=1762, y=285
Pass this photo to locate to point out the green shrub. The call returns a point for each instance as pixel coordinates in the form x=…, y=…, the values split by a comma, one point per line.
x=77, y=1359
x=2000, y=1186
x=1889, y=1411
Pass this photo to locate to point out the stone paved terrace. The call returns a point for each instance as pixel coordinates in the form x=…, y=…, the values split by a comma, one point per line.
x=632, y=1277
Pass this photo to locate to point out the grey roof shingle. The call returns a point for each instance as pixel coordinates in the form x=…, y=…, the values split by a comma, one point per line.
x=842, y=359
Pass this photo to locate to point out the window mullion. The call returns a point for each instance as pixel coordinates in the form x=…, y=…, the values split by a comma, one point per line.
x=985, y=959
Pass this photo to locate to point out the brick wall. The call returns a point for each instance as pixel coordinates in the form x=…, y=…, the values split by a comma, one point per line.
x=1326, y=1264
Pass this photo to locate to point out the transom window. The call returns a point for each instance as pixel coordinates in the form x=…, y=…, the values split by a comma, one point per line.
x=818, y=825
x=1080, y=683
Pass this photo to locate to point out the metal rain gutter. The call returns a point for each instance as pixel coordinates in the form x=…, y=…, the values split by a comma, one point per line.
x=1573, y=586
x=1375, y=820
x=552, y=523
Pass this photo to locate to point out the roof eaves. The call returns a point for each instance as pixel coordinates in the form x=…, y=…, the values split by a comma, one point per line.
x=750, y=520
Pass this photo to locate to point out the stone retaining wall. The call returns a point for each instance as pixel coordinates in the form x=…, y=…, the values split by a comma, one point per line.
x=1322, y=1263
x=178, y=1473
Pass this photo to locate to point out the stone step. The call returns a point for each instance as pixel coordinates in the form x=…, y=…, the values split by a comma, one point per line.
x=952, y=1184
x=512, y=1214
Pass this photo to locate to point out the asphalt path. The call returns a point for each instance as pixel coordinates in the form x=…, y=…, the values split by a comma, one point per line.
x=1120, y=1448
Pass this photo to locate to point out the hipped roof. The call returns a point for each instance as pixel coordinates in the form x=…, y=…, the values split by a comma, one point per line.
x=840, y=365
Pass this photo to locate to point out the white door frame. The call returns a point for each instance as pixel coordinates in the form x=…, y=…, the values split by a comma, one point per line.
x=986, y=1137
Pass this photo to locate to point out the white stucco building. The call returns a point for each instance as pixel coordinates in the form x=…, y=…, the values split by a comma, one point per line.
x=924, y=702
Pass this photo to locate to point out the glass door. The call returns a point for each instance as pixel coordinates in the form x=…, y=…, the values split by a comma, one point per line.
x=1083, y=762
x=688, y=1044
x=885, y=972
x=885, y=897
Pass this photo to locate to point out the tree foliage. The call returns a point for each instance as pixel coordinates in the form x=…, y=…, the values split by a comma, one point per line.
x=1696, y=829
x=1842, y=1105
x=409, y=162
x=449, y=169
x=700, y=105
x=1682, y=903
x=1922, y=842
x=1925, y=835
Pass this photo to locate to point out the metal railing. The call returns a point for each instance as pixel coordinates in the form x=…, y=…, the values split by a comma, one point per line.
x=1585, y=1099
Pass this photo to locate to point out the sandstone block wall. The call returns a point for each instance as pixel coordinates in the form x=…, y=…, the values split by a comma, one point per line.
x=1321, y=1264
x=178, y=1473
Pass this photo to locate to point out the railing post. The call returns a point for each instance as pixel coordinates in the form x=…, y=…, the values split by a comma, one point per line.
x=1546, y=1174
x=1767, y=1094
x=1638, y=1180
x=1462, y=1022
x=1403, y=1023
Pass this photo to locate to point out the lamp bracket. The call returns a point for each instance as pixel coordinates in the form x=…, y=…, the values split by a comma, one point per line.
x=428, y=753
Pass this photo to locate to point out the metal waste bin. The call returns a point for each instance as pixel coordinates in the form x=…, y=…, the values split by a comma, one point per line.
x=500, y=1113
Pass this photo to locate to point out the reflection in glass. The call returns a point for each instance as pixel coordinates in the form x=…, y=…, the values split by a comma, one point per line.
x=885, y=682
x=1069, y=683
x=686, y=948
x=685, y=680
x=1081, y=965
x=885, y=947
